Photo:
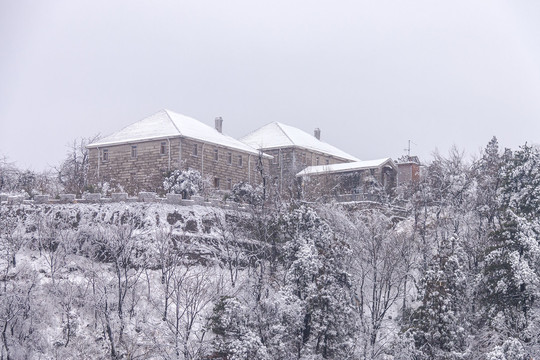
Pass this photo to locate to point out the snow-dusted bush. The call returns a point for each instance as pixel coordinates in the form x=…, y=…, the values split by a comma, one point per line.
x=245, y=193
x=185, y=182
x=511, y=349
x=234, y=338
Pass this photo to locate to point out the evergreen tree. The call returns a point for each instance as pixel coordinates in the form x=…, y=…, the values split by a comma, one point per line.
x=317, y=285
x=235, y=338
x=511, y=273
x=439, y=327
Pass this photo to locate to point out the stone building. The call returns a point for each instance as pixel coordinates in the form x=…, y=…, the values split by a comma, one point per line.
x=366, y=180
x=408, y=169
x=138, y=156
x=293, y=150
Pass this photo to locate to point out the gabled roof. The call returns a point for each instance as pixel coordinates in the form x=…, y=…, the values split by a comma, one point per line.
x=277, y=135
x=165, y=124
x=346, y=167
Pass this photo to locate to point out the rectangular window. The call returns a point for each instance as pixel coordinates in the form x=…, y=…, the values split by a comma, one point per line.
x=317, y=160
x=216, y=154
x=105, y=155
x=276, y=157
x=229, y=158
x=162, y=148
x=195, y=150
x=229, y=184
x=304, y=159
x=134, y=151
x=327, y=162
x=216, y=183
x=240, y=160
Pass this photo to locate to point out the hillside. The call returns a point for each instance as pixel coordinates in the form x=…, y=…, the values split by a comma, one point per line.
x=453, y=273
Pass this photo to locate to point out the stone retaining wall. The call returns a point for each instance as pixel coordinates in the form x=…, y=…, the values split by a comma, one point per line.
x=175, y=199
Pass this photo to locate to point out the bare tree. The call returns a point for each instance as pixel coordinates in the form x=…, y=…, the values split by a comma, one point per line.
x=380, y=269
x=193, y=291
x=9, y=175
x=73, y=171
x=169, y=257
x=56, y=244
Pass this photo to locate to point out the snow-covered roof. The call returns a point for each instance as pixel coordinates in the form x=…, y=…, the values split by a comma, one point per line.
x=278, y=135
x=346, y=167
x=165, y=124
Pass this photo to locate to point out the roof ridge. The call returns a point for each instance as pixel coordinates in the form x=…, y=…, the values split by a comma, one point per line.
x=172, y=121
x=284, y=132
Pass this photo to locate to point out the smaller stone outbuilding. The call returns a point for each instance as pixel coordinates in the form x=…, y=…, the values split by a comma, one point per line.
x=363, y=179
x=408, y=170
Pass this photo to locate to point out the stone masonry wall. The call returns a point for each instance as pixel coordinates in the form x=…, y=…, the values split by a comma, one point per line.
x=145, y=171
x=316, y=186
x=290, y=161
x=226, y=168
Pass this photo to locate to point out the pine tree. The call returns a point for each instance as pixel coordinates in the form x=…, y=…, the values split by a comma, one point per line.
x=511, y=273
x=439, y=327
x=317, y=285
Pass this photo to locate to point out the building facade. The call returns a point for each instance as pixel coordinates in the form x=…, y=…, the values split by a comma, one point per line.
x=408, y=170
x=287, y=160
x=367, y=180
x=292, y=151
x=137, y=157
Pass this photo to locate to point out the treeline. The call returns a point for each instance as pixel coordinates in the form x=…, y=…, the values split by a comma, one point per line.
x=454, y=276
x=68, y=177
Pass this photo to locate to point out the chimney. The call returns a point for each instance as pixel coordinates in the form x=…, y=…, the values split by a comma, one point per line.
x=317, y=133
x=219, y=124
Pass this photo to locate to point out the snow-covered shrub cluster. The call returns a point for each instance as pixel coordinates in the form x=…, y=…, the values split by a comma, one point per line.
x=185, y=182
x=247, y=194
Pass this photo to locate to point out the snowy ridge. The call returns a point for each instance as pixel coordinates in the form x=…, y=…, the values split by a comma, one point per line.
x=277, y=135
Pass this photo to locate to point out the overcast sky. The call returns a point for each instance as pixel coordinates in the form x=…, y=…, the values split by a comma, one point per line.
x=370, y=74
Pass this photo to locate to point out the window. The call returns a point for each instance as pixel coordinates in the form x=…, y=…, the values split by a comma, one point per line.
x=216, y=183
x=276, y=157
x=240, y=160
x=229, y=158
x=195, y=150
x=317, y=160
x=327, y=162
x=105, y=155
x=162, y=148
x=134, y=151
x=216, y=154
x=229, y=184
x=304, y=161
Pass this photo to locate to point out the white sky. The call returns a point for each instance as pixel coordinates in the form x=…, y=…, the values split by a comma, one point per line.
x=370, y=74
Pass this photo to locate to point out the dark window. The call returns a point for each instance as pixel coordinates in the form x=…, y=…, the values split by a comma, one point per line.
x=105, y=154
x=195, y=150
x=276, y=157
x=216, y=154
x=317, y=160
x=229, y=158
x=162, y=148
x=134, y=151
x=216, y=183
x=229, y=184
x=327, y=161
x=240, y=160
